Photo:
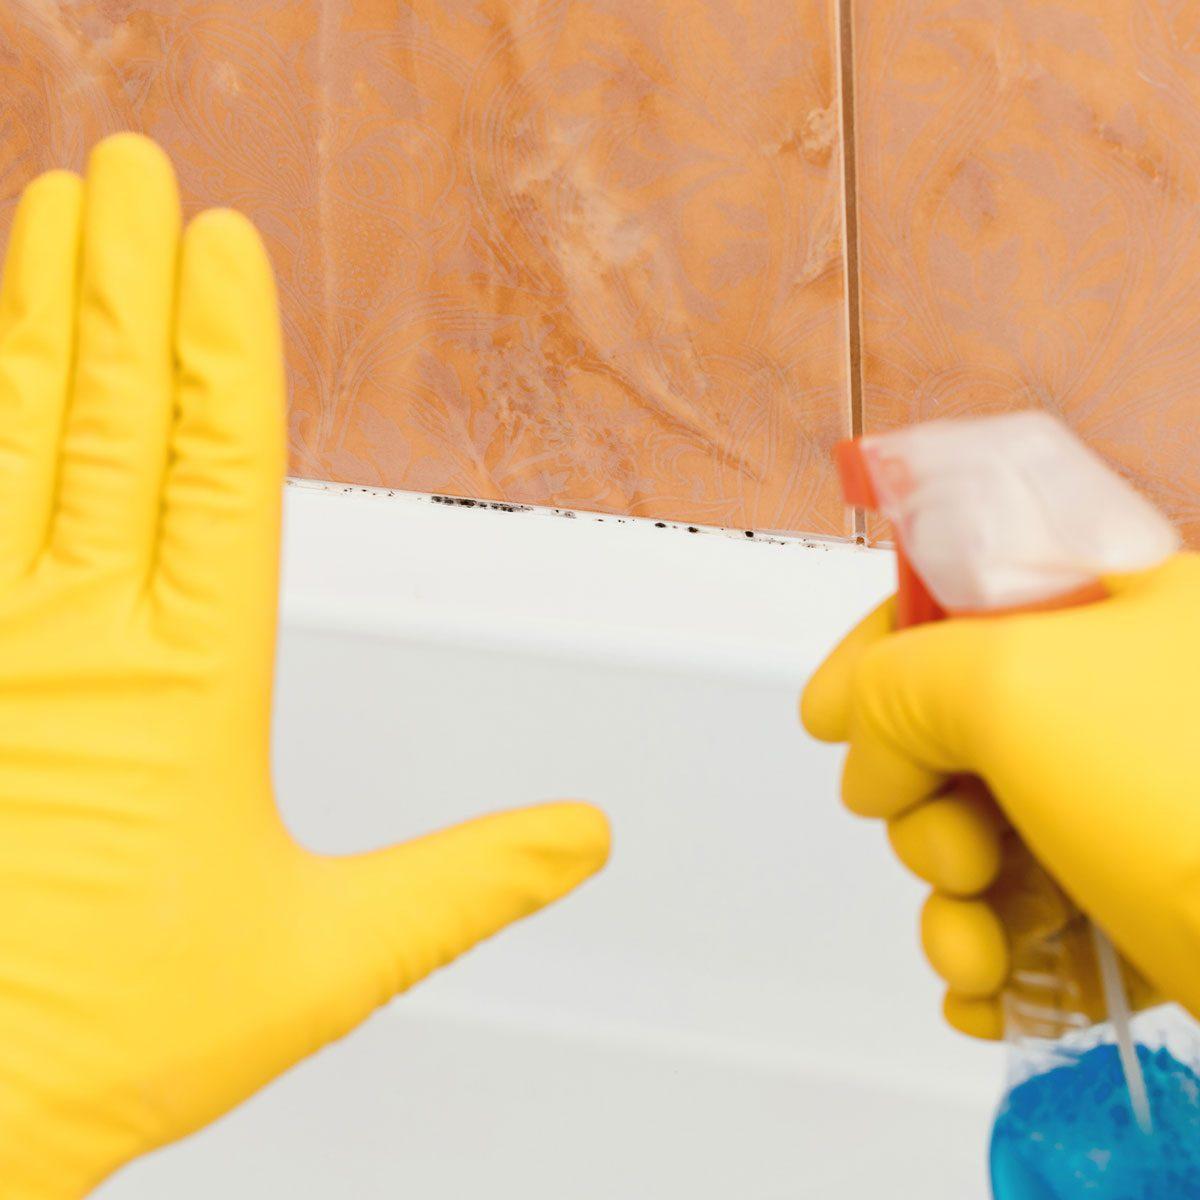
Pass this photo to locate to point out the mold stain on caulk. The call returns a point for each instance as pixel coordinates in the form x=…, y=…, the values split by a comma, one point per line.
x=491, y=505
x=808, y=542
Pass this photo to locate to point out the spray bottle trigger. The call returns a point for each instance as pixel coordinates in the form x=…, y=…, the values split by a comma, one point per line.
x=914, y=603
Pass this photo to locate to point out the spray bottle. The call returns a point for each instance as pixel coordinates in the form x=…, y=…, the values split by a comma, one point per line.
x=1010, y=514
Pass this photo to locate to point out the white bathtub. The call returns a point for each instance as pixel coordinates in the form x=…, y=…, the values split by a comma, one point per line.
x=735, y=1010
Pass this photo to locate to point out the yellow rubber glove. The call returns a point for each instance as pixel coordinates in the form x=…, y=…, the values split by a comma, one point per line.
x=1085, y=726
x=166, y=948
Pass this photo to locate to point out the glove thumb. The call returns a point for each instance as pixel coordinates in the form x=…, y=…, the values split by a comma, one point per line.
x=396, y=915
x=826, y=701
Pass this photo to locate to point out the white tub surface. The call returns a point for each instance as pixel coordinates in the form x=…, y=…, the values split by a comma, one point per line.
x=736, y=1009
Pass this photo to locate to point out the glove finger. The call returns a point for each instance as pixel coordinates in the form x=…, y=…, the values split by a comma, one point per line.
x=977, y=1018
x=825, y=702
x=221, y=499
x=913, y=710
x=953, y=841
x=965, y=944
x=880, y=781
x=37, y=333
x=114, y=448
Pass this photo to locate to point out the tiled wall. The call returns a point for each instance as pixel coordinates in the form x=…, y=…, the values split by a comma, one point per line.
x=1029, y=217
x=591, y=252
x=584, y=253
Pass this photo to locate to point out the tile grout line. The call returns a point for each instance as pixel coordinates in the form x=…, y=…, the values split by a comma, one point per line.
x=849, y=148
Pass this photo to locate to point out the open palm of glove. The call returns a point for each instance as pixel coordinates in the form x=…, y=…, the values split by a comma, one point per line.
x=166, y=948
x=1083, y=724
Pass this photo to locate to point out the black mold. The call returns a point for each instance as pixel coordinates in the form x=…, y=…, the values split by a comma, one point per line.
x=493, y=505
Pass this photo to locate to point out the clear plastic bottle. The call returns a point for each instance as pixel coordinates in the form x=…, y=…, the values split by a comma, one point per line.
x=1078, y=1119
x=1068, y=1125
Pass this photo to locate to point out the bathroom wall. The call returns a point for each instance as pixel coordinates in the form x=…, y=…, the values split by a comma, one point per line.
x=593, y=253
x=582, y=253
x=1028, y=180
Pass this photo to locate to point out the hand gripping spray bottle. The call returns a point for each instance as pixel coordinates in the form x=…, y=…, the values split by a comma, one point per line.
x=1008, y=514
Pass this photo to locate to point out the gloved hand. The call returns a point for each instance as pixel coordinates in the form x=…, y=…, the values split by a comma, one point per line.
x=166, y=948
x=1085, y=726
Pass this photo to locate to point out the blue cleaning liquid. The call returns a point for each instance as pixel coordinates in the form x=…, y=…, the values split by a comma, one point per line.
x=1070, y=1132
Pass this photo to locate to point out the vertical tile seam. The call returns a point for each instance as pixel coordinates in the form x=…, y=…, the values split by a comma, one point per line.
x=844, y=10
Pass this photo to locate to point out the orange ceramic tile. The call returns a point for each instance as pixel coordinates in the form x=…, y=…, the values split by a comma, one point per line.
x=1029, y=206
x=574, y=252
